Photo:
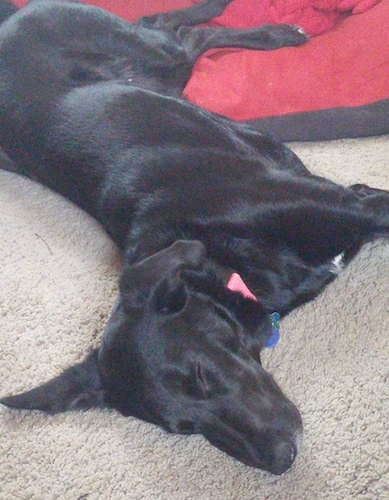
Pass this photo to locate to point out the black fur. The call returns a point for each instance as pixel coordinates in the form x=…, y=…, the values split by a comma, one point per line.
x=90, y=106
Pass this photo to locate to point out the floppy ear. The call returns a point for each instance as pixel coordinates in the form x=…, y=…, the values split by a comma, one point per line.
x=138, y=279
x=78, y=387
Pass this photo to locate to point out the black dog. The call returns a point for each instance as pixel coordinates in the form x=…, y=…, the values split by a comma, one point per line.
x=89, y=106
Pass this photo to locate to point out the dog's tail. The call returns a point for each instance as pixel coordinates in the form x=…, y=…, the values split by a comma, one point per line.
x=7, y=8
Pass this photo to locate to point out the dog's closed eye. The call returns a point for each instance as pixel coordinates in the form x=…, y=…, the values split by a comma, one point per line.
x=206, y=380
x=200, y=382
x=189, y=384
x=195, y=385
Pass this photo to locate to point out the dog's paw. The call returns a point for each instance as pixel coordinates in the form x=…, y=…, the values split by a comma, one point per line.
x=363, y=191
x=290, y=34
x=374, y=200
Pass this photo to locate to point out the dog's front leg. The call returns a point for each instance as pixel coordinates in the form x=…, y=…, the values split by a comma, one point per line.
x=318, y=233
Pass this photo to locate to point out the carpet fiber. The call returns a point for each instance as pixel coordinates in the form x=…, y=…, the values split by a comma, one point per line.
x=58, y=283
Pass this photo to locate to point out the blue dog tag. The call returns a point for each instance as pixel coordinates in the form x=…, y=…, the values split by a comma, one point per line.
x=275, y=334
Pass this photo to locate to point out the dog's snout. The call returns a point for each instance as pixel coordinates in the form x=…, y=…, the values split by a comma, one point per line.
x=284, y=454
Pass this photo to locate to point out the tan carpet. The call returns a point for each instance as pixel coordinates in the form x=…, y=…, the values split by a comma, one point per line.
x=58, y=282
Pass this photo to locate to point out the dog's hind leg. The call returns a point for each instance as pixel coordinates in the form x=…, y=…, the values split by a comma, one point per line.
x=196, y=41
x=198, y=14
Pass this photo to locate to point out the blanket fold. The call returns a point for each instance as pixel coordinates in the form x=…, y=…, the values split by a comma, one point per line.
x=314, y=16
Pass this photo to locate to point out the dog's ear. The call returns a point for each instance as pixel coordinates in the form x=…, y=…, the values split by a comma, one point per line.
x=138, y=279
x=78, y=387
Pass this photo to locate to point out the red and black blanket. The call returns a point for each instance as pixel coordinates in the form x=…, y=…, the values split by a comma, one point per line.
x=336, y=85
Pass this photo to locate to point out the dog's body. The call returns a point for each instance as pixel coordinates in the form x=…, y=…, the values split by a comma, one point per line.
x=89, y=106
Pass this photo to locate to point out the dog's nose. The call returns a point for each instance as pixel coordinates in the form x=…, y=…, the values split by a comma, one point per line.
x=284, y=454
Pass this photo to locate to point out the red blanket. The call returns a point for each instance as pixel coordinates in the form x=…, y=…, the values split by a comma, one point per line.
x=346, y=66
x=315, y=16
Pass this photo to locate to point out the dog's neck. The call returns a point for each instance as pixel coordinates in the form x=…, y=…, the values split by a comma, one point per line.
x=236, y=283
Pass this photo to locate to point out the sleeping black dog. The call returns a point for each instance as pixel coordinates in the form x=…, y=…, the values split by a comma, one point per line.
x=90, y=106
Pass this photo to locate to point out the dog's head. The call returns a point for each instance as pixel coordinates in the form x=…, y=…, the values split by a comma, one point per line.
x=182, y=351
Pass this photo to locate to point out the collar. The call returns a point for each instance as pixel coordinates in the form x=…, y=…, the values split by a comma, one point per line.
x=236, y=284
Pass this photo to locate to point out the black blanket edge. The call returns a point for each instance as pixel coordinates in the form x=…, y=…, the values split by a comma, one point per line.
x=328, y=124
